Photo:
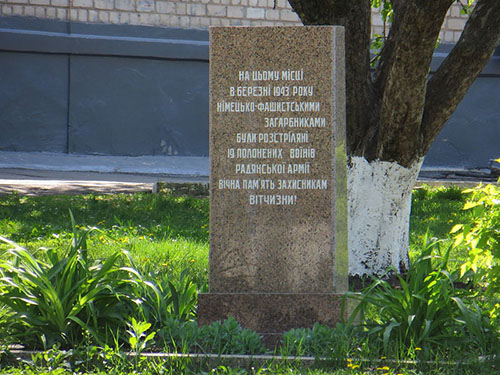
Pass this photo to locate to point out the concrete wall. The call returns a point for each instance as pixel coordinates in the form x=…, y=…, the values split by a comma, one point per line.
x=470, y=139
x=33, y=101
x=102, y=89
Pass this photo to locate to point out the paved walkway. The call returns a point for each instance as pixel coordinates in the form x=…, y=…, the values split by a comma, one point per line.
x=52, y=173
x=39, y=182
x=47, y=173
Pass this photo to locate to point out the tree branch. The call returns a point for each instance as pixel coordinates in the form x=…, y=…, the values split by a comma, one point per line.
x=449, y=84
x=355, y=16
x=401, y=77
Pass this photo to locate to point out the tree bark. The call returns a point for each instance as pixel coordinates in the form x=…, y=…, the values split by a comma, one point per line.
x=459, y=70
x=394, y=114
x=355, y=16
x=400, y=80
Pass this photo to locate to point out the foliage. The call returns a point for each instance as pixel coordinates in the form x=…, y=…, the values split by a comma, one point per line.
x=109, y=361
x=57, y=299
x=53, y=359
x=6, y=336
x=319, y=341
x=466, y=5
x=158, y=269
x=138, y=339
x=482, y=240
x=161, y=298
x=378, y=40
x=228, y=337
x=425, y=311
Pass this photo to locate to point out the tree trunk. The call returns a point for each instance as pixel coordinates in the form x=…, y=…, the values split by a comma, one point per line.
x=394, y=114
x=379, y=201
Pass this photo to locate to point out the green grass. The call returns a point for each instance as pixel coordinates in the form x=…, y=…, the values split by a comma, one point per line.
x=26, y=218
x=166, y=230
x=183, y=367
x=166, y=233
x=435, y=210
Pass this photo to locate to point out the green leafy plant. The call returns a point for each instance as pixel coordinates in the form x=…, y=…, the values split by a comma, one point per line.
x=57, y=299
x=481, y=237
x=228, y=337
x=179, y=336
x=378, y=40
x=466, y=6
x=138, y=339
x=319, y=341
x=160, y=298
x=183, y=297
x=424, y=311
x=52, y=359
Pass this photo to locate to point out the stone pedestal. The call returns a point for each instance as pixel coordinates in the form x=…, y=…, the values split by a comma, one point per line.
x=278, y=224
x=271, y=314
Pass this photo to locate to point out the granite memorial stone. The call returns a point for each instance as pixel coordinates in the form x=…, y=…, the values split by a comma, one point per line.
x=278, y=216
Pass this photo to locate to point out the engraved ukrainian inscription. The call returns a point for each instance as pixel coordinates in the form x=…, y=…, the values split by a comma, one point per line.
x=272, y=149
x=279, y=147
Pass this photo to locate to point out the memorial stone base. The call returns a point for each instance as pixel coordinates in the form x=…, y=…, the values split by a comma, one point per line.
x=271, y=314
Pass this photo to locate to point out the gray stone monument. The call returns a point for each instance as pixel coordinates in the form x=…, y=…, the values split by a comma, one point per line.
x=278, y=224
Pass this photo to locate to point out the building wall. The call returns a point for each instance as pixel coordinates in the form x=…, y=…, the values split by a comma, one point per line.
x=197, y=14
x=194, y=14
x=102, y=89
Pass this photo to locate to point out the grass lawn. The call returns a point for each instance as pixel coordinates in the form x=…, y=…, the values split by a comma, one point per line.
x=165, y=233
x=168, y=233
x=169, y=230
x=436, y=210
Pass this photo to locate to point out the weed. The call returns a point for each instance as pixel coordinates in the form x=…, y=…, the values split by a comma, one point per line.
x=425, y=311
x=319, y=341
x=228, y=337
x=58, y=299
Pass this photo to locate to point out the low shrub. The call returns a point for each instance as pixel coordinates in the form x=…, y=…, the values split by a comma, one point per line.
x=220, y=337
x=58, y=299
x=481, y=238
x=229, y=337
x=425, y=311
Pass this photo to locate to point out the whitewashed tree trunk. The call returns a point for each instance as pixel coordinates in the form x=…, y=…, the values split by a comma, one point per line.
x=379, y=194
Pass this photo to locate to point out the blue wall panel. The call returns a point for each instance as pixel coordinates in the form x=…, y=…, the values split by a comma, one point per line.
x=33, y=102
x=132, y=106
